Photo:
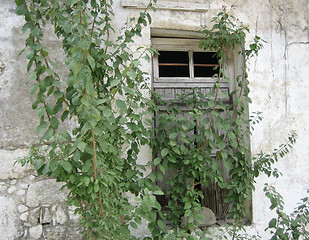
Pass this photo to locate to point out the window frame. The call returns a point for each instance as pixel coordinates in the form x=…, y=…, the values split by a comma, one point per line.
x=163, y=40
x=189, y=45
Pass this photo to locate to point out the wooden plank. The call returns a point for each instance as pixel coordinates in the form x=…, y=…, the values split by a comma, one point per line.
x=174, y=33
x=176, y=44
x=178, y=6
x=173, y=64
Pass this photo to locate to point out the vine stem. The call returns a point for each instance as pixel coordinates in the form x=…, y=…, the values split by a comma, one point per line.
x=122, y=81
x=214, y=107
x=94, y=158
x=94, y=154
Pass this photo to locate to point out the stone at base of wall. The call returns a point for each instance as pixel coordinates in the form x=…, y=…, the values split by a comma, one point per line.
x=34, y=207
x=36, y=231
x=209, y=218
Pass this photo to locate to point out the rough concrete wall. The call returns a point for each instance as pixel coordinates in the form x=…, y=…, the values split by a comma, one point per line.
x=279, y=88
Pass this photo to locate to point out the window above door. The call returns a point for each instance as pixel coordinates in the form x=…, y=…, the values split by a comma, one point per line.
x=180, y=65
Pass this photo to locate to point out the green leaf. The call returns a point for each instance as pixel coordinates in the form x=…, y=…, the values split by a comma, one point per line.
x=131, y=74
x=41, y=128
x=223, y=155
x=50, y=90
x=64, y=115
x=211, y=103
x=272, y=223
x=158, y=192
x=85, y=180
x=40, y=111
x=67, y=166
x=231, y=135
x=34, y=88
x=48, y=134
x=54, y=122
x=156, y=161
x=133, y=225
x=65, y=135
x=121, y=105
x=162, y=226
x=152, y=177
x=162, y=168
x=45, y=169
x=76, y=68
x=152, y=216
x=114, y=83
x=133, y=127
x=18, y=2
x=72, y=178
x=32, y=76
x=221, y=145
x=57, y=94
x=107, y=112
x=49, y=109
x=227, y=163
x=67, y=27
x=164, y=152
x=84, y=44
x=124, y=230
x=38, y=164
x=96, y=188
x=173, y=135
x=91, y=61
x=21, y=9
x=128, y=90
x=81, y=146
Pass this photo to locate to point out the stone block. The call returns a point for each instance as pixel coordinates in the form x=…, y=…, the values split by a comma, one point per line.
x=36, y=231
x=24, y=216
x=12, y=189
x=209, y=218
x=10, y=227
x=22, y=208
x=61, y=216
x=45, y=192
x=45, y=216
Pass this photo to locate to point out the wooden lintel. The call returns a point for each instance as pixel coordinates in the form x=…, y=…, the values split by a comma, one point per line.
x=176, y=6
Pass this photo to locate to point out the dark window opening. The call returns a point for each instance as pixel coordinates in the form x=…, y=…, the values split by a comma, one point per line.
x=205, y=64
x=173, y=64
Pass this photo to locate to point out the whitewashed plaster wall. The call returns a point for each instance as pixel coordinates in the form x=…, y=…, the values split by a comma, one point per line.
x=279, y=88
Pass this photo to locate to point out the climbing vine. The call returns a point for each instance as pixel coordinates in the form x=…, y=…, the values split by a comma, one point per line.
x=202, y=139
x=101, y=97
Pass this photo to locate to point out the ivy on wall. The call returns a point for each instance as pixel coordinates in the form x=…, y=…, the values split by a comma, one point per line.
x=201, y=140
x=103, y=93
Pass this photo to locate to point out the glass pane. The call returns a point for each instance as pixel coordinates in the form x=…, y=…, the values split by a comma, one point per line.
x=204, y=64
x=173, y=64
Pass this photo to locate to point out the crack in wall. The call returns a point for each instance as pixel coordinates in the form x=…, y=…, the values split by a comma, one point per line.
x=286, y=57
x=271, y=40
x=307, y=7
x=301, y=43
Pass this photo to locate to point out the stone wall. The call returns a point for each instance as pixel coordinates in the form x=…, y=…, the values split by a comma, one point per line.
x=33, y=207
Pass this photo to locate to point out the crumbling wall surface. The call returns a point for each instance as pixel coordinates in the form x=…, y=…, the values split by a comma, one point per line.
x=33, y=207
